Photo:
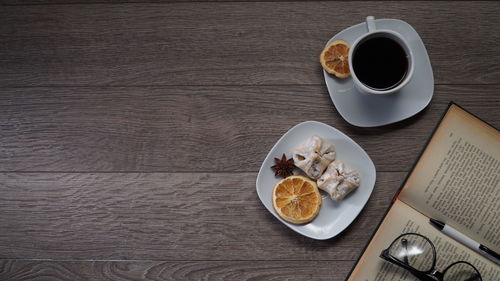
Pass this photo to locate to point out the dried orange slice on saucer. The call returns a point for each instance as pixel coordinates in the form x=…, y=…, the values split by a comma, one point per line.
x=296, y=199
x=334, y=59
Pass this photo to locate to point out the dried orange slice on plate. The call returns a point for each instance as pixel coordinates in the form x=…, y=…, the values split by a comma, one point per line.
x=296, y=199
x=334, y=59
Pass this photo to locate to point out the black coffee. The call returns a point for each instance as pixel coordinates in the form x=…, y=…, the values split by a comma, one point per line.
x=380, y=63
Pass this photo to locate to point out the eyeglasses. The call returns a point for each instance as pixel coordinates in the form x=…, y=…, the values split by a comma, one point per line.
x=417, y=254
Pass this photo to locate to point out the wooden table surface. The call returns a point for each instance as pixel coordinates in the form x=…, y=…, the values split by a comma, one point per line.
x=131, y=134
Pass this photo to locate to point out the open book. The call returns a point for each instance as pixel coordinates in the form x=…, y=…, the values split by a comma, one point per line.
x=456, y=180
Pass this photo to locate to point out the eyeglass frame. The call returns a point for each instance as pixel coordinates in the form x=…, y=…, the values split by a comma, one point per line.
x=422, y=275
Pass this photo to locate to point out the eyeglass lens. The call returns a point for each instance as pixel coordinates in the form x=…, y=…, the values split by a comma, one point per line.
x=461, y=271
x=414, y=251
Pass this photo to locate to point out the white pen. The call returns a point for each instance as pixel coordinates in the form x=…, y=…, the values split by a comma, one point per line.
x=455, y=234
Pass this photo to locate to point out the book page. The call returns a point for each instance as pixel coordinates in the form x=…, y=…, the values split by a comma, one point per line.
x=457, y=179
x=402, y=219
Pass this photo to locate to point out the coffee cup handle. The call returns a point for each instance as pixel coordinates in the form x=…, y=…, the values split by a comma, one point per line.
x=370, y=23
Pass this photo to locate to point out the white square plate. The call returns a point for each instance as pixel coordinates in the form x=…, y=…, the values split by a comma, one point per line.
x=333, y=217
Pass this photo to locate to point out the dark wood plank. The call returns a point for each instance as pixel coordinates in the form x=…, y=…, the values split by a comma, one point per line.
x=227, y=43
x=65, y=2
x=18, y=270
x=161, y=216
x=192, y=129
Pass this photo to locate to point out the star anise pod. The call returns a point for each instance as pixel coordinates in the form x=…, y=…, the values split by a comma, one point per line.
x=284, y=167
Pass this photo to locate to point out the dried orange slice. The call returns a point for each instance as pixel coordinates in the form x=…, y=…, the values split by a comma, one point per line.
x=334, y=59
x=296, y=199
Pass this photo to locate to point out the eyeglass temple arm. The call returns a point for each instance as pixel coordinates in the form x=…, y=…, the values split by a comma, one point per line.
x=422, y=276
x=404, y=243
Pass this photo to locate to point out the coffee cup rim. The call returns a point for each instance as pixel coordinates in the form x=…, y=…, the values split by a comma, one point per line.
x=406, y=48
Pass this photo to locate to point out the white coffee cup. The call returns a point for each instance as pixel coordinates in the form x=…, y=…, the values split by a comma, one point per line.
x=373, y=32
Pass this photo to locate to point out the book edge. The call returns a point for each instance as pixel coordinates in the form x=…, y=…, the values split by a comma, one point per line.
x=450, y=104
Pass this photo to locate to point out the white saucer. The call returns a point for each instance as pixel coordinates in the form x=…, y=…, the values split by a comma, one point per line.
x=364, y=110
x=333, y=217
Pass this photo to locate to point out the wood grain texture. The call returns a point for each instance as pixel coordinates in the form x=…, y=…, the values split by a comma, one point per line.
x=15, y=270
x=227, y=43
x=63, y=2
x=131, y=134
x=161, y=216
x=196, y=129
